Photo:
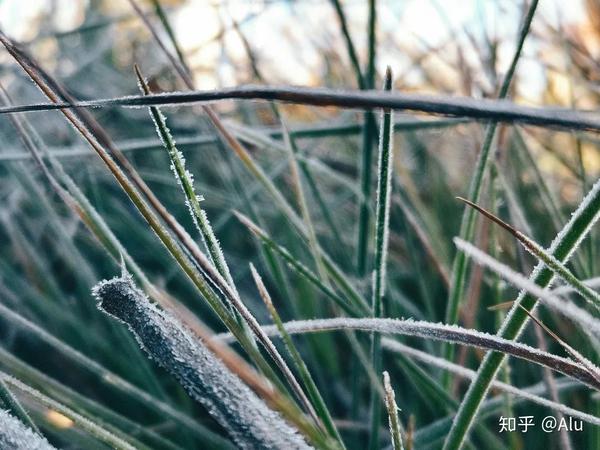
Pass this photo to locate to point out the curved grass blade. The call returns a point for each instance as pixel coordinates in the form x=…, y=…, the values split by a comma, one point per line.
x=246, y=418
x=307, y=379
x=536, y=250
x=480, y=109
x=467, y=226
x=523, y=394
x=85, y=424
x=440, y=332
x=563, y=246
x=567, y=309
x=14, y=407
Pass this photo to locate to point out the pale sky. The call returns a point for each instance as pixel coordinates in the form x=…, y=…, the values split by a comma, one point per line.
x=287, y=39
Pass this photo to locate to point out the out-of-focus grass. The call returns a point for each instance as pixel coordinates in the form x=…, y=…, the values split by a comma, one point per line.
x=292, y=190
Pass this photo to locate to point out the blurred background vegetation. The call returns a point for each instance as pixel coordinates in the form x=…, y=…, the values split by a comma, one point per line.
x=49, y=260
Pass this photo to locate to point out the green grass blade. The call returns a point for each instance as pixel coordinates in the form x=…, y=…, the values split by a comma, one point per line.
x=382, y=224
x=13, y=406
x=441, y=332
x=550, y=261
x=562, y=248
x=305, y=375
x=161, y=14
x=16, y=435
x=185, y=180
x=364, y=218
x=304, y=271
x=200, y=371
x=351, y=49
x=369, y=132
x=96, y=430
x=467, y=228
x=80, y=403
x=394, y=421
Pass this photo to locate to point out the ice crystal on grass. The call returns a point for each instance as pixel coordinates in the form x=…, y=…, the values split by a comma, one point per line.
x=394, y=422
x=14, y=435
x=577, y=216
x=439, y=332
x=563, y=307
x=185, y=179
x=525, y=394
x=247, y=418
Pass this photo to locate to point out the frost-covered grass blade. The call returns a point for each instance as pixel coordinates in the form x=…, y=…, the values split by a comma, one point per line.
x=246, y=418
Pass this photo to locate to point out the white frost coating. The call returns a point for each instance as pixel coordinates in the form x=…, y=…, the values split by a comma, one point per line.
x=384, y=193
x=559, y=269
x=582, y=206
x=398, y=347
x=440, y=332
x=251, y=424
x=185, y=179
x=82, y=422
x=594, y=192
x=473, y=400
x=392, y=407
x=14, y=435
x=592, y=283
x=563, y=307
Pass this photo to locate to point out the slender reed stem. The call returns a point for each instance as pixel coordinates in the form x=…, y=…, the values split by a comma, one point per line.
x=382, y=224
x=467, y=227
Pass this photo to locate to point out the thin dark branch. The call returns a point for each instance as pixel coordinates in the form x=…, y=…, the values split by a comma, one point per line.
x=478, y=109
